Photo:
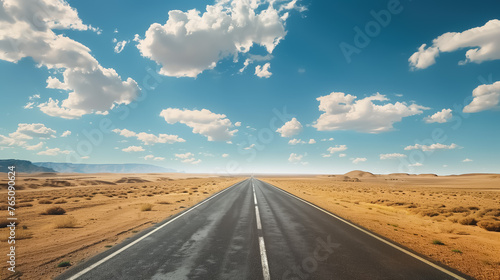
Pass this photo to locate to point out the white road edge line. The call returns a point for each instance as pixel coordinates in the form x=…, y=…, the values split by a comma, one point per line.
x=262, y=245
x=444, y=270
x=144, y=236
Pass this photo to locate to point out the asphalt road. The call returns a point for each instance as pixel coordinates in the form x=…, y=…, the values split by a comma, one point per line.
x=253, y=230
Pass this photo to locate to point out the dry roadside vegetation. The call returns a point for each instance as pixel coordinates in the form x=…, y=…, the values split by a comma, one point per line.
x=452, y=219
x=65, y=219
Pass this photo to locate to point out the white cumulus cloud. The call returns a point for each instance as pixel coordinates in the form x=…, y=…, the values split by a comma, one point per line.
x=440, y=117
x=133, y=149
x=27, y=30
x=192, y=42
x=296, y=158
x=338, y=148
x=436, y=146
x=467, y=160
x=34, y=147
x=120, y=46
x=485, y=97
x=392, y=156
x=66, y=133
x=34, y=130
x=483, y=43
x=216, y=127
x=346, y=112
x=296, y=141
x=290, y=128
x=149, y=139
x=263, y=71
x=358, y=160
x=53, y=152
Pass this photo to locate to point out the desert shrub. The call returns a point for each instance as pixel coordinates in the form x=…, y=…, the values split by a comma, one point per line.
x=25, y=205
x=56, y=210
x=147, y=207
x=21, y=233
x=490, y=225
x=437, y=242
x=430, y=213
x=64, y=264
x=473, y=208
x=468, y=221
x=60, y=201
x=489, y=212
x=44, y=201
x=65, y=222
x=459, y=209
x=163, y=202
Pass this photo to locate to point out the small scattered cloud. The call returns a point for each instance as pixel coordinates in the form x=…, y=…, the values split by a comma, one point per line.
x=337, y=148
x=296, y=141
x=467, y=160
x=392, y=156
x=152, y=157
x=133, y=149
x=33, y=130
x=237, y=124
x=297, y=158
x=120, y=46
x=225, y=155
x=187, y=158
x=342, y=155
x=358, y=160
x=34, y=147
x=417, y=164
x=312, y=141
x=216, y=127
x=440, y=117
x=150, y=139
x=249, y=147
x=432, y=147
x=263, y=71
x=53, y=152
x=29, y=105
x=66, y=133
x=290, y=128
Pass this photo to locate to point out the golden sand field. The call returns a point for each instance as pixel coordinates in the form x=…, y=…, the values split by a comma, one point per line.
x=451, y=219
x=100, y=211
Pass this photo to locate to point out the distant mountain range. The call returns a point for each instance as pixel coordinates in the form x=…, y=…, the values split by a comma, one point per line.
x=35, y=167
x=104, y=168
x=22, y=166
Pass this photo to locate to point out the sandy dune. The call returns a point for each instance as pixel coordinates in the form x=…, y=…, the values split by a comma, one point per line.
x=462, y=213
x=101, y=210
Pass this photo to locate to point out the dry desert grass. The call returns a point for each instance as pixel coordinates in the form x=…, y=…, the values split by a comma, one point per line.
x=452, y=219
x=65, y=219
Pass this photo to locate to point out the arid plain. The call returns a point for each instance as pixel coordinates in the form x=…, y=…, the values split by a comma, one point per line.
x=454, y=220
x=451, y=219
x=98, y=212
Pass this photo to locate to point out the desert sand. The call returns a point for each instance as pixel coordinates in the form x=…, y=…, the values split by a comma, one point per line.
x=101, y=210
x=454, y=220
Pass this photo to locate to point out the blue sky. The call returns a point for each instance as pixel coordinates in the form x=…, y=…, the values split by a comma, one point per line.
x=166, y=84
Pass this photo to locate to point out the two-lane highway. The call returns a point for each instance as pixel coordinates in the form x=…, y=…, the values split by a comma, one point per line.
x=253, y=230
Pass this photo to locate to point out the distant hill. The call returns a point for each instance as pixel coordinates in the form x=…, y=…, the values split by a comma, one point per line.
x=23, y=166
x=104, y=168
x=359, y=173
